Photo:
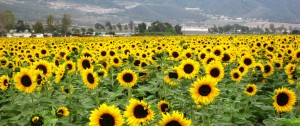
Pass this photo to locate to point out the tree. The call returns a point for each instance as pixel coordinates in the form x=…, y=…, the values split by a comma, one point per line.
x=51, y=23
x=290, y=28
x=108, y=25
x=20, y=26
x=142, y=27
x=272, y=28
x=38, y=27
x=130, y=25
x=66, y=23
x=83, y=30
x=125, y=27
x=267, y=30
x=90, y=31
x=7, y=20
x=119, y=26
x=178, y=29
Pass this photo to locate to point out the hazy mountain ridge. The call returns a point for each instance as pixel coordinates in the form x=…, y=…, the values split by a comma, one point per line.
x=164, y=10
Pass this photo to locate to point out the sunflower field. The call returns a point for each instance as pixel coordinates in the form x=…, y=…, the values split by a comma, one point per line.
x=207, y=80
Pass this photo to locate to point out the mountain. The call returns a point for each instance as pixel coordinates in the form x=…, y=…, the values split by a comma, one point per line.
x=174, y=11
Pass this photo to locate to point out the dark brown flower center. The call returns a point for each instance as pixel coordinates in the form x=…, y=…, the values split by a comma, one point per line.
x=106, y=120
x=43, y=68
x=173, y=75
x=128, y=77
x=204, y=90
x=26, y=81
x=140, y=111
x=164, y=107
x=86, y=64
x=175, y=54
x=215, y=72
x=250, y=89
x=282, y=99
x=247, y=61
x=173, y=123
x=188, y=68
x=90, y=78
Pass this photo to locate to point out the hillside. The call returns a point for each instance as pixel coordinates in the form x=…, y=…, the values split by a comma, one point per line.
x=91, y=11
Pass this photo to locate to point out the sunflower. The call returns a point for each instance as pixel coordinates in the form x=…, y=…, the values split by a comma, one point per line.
x=62, y=111
x=215, y=70
x=284, y=100
x=202, y=55
x=36, y=120
x=39, y=77
x=269, y=69
x=106, y=116
x=172, y=75
x=138, y=112
x=4, y=82
x=59, y=74
x=247, y=60
x=70, y=66
x=90, y=78
x=176, y=119
x=189, y=68
x=217, y=51
x=3, y=62
x=87, y=53
x=163, y=106
x=243, y=69
x=127, y=78
x=175, y=55
x=227, y=57
x=258, y=67
x=188, y=53
x=209, y=58
x=236, y=75
x=290, y=68
x=102, y=72
x=204, y=91
x=25, y=80
x=296, y=55
x=116, y=61
x=68, y=90
x=43, y=66
x=143, y=75
x=251, y=89
x=84, y=63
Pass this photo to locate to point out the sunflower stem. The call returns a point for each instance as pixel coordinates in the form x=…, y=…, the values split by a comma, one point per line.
x=112, y=77
x=129, y=93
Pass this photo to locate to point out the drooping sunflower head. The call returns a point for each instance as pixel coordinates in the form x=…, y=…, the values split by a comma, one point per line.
x=60, y=74
x=4, y=82
x=209, y=58
x=189, y=68
x=127, y=78
x=297, y=55
x=250, y=89
x=106, y=116
x=215, y=70
x=25, y=80
x=284, y=100
x=236, y=75
x=204, y=91
x=227, y=57
x=176, y=119
x=243, y=69
x=85, y=63
x=36, y=120
x=90, y=78
x=62, y=111
x=163, y=106
x=138, y=112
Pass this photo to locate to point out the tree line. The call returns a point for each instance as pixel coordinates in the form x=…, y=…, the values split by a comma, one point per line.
x=239, y=29
x=158, y=28
x=53, y=24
